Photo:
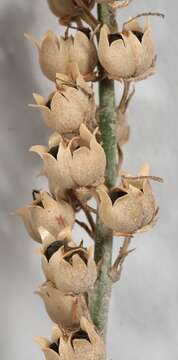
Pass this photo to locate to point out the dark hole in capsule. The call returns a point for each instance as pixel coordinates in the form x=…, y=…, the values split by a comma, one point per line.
x=40, y=204
x=48, y=104
x=55, y=347
x=54, y=151
x=86, y=31
x=116, y=194
x=78, y=252
x=114, y=37
x=52, y=248
x=138, y=34
x=81, y=334
x=77, y=147
x=35, y=194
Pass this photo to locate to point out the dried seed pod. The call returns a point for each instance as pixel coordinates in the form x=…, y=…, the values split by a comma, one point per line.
x=68, y=10
x=47, y=212
x=64, y=310
x=143, y=184
x=79, y=163
x=63, y=8
x=51, y=349
x=70, y=106
x=128, y=208
x=84, y=344
x=52, y=245
x=70, y=267
x=75, y=272
x=129, y=55
x=56, y=54
x=121, y=210
x=87, y=160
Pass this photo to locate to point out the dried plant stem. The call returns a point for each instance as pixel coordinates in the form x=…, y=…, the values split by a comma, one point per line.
x=100, y=298
x=122, y=105
x=116, y=270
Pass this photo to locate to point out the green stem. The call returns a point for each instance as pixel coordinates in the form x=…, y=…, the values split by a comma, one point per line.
x=100, y=298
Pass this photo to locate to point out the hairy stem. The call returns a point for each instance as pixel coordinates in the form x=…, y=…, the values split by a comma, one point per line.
x=100, y=298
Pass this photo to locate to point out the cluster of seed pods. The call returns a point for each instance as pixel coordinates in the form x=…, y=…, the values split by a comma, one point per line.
x=74, y=163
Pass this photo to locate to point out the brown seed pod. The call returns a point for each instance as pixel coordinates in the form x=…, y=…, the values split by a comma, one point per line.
x=84, y=344
x=51, y=349
x=56, y=54
x=64, y=310
x=130, y=207
x=79, y=163
x=47, y=212
x=70, y=106
x=129, y=55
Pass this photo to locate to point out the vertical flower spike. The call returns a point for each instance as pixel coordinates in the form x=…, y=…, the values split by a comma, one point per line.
x=68, y=107
x=65, y=310
x=56, y=54
x=84, y=344
x=129, y=55
x=82, y=161
x=51, y=349
x=46, y=212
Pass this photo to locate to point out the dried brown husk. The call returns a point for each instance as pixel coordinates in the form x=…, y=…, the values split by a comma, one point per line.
x=47, y=212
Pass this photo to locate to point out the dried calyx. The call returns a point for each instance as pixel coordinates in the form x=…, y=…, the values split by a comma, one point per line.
x=70, y=252
x=85, y=343
x=56, y=54
x=78, y=163
x=46, y=211
x=64, y=309
x=70, y=105
x=131, y=207
x=128, y=55
x=70, y=267
x=51, y=348
x=67, y=252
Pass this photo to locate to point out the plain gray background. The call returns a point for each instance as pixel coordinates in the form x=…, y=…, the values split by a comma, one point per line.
x=144, y=311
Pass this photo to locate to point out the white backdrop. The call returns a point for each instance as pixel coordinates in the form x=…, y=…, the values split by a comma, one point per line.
x=144, y=310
